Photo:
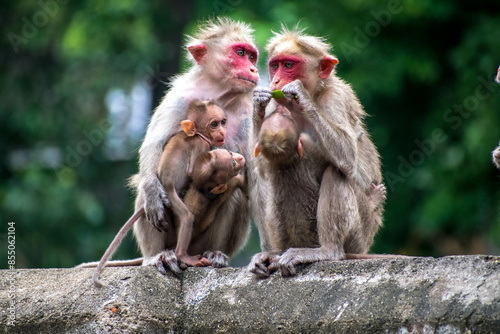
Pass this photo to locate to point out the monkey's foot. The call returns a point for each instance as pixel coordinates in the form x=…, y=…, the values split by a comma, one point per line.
x=218, y=259
x=193, y=261
x=264, y=264
x=377, y=195
x=162, y=260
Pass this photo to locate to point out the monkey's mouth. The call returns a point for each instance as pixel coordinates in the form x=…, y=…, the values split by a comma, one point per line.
x=249, y=80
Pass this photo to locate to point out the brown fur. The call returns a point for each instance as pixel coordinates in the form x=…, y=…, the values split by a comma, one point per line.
x=212, y=172
x=338, y=179
x=210, y=78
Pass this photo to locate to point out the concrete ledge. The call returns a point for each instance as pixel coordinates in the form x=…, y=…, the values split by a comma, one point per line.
x=458, y=294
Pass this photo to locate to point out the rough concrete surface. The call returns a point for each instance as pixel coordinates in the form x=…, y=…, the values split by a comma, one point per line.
x=459, y=294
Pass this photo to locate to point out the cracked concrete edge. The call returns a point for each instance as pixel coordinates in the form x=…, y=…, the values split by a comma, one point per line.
x=415, y=295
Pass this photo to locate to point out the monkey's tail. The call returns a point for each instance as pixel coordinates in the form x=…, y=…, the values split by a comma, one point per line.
x=352, y=256
x=112, y=247
x=114, y=263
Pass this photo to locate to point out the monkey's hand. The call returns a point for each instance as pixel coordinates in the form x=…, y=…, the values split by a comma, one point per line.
x=155, y=202
x=218, y=259
x=296, y=92
x=261, y=98
x=377, y=195
x=264, y=264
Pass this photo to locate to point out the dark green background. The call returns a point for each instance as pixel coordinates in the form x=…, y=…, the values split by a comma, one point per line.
x=422, y=69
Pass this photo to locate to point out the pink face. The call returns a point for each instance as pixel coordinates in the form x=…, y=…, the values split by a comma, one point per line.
x=284, y=69
x=243, y=57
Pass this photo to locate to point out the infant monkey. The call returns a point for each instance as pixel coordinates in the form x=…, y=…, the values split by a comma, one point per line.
x=212, y=173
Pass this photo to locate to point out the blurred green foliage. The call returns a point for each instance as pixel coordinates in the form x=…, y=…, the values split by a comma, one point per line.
x=422, y=69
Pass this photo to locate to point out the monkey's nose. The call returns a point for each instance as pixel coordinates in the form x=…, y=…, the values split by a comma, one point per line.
x=238, y=157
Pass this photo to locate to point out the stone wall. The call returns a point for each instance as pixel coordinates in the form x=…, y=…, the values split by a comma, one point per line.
x=415, y=295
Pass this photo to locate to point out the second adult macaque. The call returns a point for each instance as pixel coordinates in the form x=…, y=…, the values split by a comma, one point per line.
x=325, y=109
x=224, y=57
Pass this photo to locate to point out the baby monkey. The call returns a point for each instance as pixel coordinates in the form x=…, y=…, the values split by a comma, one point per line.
x=214, y=177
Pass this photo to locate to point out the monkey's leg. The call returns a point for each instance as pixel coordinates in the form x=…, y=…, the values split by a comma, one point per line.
x=155, y=246
x=337, y=216
x=184, y=231
x=258, y=192
x=231, y=228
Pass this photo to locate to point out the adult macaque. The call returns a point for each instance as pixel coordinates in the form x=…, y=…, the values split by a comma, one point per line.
x=215, y=177
x=329, y=119
x=224, y=57
x=497, y=79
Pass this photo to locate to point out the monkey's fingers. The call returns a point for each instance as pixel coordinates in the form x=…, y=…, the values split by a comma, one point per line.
x=194, y=261
x=152, y=217
x=205, y=262
x=218, y=259
x=293, y=90
x=260, y=270
x=261, y=95
x=165, y=200
x=169, y=259
x=287, y=263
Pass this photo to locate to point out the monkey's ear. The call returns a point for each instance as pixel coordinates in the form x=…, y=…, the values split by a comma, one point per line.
x=188, y=127
x=326, y=66
x=199, y=52
x=257, y=149
x=300, y=148
x=219, y=189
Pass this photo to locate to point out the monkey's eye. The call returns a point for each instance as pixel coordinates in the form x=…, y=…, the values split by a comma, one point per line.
x=234, y=163
x=252, y=58
x=223, y=122
x=274, y=66
x=214, y=124
x=288, y=64
x=240, y=52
